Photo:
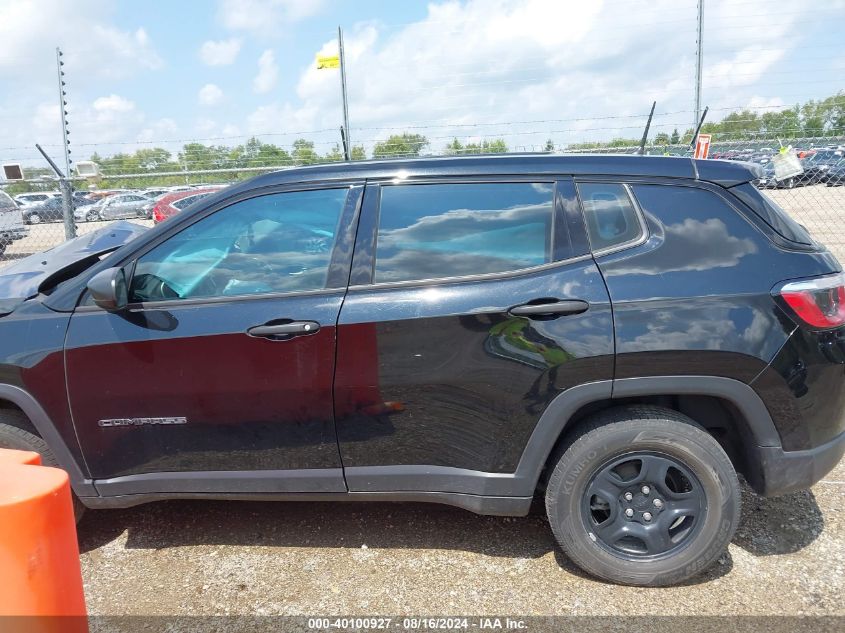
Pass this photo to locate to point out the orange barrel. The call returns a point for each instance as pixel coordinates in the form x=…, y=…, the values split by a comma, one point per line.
x=39, y=555
x=11, y=456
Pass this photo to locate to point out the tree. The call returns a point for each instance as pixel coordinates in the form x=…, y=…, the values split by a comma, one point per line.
x=334, y=156
x=675, y=138
x=662, y=138
x=454, y=148
x=496, y=146
x=358, y=152
x=303, y=152
x=404, y=144
x=550, y=146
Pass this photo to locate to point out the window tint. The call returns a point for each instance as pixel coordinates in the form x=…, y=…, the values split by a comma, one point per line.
x=610, y=214
x=431, y=231
x=274, y=243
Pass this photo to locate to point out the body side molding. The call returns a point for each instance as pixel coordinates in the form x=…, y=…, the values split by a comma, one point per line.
x=306, y=480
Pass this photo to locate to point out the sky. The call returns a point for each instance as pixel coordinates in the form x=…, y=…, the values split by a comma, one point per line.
x=160, y=73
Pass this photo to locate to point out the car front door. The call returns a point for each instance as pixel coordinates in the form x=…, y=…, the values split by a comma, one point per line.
x=218, y=375
x=471, y=306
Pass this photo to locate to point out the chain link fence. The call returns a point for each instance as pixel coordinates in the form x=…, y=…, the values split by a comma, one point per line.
x=816, y=198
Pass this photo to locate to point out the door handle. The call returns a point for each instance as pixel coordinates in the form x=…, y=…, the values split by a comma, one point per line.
x=553, y=309
x=286, y=330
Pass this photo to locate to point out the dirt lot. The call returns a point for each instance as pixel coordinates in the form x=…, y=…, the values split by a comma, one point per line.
x=179, y=558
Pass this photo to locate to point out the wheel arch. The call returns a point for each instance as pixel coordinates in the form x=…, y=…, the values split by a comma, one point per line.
x=754, y=425
x=47, y=431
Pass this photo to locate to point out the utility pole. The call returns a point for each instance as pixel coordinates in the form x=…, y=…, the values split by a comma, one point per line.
x=64, y=180
x=343, y=92
x=698, y=64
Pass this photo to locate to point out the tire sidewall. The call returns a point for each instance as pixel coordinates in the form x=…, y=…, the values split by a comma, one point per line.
x=714, y=472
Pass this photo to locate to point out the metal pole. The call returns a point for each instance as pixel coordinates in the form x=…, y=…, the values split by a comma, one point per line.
x=343, y=89
x=647, y=127
x=67, y=195
x=698, y=45
x=64, y=183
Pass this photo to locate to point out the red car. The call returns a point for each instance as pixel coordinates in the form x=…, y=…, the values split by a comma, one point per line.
x=173, y=203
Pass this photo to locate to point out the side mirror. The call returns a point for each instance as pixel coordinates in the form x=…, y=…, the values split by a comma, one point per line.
x=108, y=289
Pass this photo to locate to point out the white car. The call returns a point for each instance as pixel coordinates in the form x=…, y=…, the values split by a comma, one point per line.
x=35, y=197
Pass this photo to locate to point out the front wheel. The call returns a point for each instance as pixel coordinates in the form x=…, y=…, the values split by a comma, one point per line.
x=34, y=218
x=15, y=433
x=644, y=496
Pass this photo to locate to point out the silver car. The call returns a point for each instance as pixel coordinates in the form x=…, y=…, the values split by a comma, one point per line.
x=11, y=222
x=124, y=205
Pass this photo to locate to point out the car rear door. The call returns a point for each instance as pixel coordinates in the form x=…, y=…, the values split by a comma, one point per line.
x=218, y=376
x=472, y=305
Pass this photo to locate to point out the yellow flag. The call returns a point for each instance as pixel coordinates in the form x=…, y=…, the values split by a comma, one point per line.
x=328, y=61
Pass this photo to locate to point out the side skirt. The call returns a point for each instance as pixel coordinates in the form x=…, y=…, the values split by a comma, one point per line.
x=493, y=506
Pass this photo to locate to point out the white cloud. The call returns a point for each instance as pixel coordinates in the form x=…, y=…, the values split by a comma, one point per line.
x=268, y=73
x=265, y=17
x=575, y=72
x=221, y=52
x=113, y=103
x=94, y=49
x=209, y=95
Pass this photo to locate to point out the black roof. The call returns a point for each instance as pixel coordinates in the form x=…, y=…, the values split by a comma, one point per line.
x=725, y=173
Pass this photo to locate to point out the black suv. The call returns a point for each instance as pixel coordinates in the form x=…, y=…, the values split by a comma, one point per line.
x=620, y=334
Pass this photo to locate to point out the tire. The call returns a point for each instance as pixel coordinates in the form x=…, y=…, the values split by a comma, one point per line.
x=92, y=216
x=33, y=218
x=15, y=434
x=699, y=497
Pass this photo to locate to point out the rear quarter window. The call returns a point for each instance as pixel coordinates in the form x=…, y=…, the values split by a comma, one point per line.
x=772, y=214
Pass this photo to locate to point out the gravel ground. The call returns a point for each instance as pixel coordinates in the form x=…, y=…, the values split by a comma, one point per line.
x=203, y=558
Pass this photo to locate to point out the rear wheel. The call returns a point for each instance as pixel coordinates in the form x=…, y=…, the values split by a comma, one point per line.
x=34, y=218
x=643, y=496
x=92, y=216
x=15, y=433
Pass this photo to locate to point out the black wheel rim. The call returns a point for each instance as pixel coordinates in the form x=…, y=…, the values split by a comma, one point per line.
x=643, y=506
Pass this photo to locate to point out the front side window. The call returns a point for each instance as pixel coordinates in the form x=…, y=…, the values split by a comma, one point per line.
x=269, y=244
x=611, y=217
x=454, y=230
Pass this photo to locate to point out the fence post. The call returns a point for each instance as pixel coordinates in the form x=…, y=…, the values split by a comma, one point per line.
x=67, y=208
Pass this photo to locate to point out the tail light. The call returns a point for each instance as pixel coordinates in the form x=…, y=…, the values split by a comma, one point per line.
x=819, y=303
x=158, y=216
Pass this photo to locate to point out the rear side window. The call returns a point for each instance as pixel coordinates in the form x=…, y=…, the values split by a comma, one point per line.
x=454, y=230
x=772, y=214
x=612, y=220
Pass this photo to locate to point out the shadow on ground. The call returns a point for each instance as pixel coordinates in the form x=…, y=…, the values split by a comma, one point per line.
x=768, y=527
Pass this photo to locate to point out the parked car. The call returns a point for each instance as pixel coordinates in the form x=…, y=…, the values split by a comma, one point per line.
x=173, y=203
x=836, y=174
x=11, y=222
x=123, y=205
x=50, y=210
x=36, y=197
x=82, y=199
x=819, y=163
x=621, y=334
